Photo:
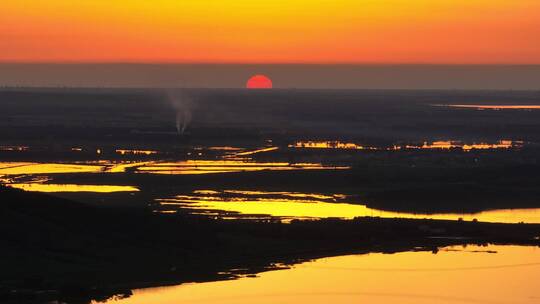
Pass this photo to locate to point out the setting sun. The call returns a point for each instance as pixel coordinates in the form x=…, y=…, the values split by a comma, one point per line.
x=259, y=82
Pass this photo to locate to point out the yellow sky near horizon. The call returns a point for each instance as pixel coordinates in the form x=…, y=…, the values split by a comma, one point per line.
x=294, y=31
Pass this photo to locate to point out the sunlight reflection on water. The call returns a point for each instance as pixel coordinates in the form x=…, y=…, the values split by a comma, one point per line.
x=434, y=145
x=72, y=188
x=224, y=166
x=291, y=205
x=454, y=275
x=491, y=107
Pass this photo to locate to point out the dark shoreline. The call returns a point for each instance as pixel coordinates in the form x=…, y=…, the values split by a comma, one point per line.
x=78, y=252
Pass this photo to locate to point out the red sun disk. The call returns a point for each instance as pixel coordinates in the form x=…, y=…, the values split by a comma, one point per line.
x=259, y=82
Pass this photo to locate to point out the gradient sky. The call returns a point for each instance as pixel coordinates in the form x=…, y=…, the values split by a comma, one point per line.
x=264, y=31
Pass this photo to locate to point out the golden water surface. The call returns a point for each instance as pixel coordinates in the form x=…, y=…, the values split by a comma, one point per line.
x=72, y=188
x=441, y=145
x=485, y=275
x=225, y=166
x=493, y=107
x=14, y=168
x=290, y=205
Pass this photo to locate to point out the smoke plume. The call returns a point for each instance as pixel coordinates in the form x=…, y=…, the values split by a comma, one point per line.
x=182, y=103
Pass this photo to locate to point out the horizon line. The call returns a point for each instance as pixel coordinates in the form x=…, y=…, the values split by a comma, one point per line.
x=224, y=63
x=9, y=87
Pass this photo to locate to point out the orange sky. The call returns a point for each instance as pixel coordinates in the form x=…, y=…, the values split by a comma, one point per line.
x=271, y=31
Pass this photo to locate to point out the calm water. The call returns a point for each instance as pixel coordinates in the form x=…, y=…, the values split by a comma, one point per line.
x=490, y=275
x=492, y=107
x=291, y=205
x=192, y=167
x=51, y=188
x=186, y=167
x=435, y=145
x=231, y=203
